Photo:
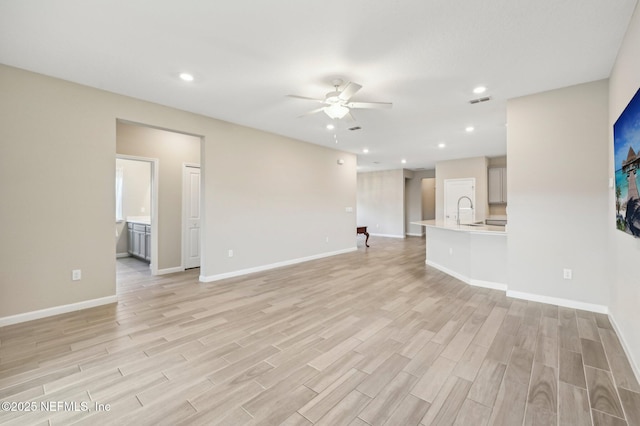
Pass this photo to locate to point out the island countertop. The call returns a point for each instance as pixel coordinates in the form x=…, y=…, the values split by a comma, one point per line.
x=475, y=254
x=475, y=228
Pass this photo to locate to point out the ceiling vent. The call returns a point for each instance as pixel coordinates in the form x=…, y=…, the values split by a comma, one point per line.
x=355, y=128
x=479, y=100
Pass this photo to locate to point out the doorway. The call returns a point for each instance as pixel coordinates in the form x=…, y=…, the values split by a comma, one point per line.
x=136, y=218
x=173, y=150
x=428, y=188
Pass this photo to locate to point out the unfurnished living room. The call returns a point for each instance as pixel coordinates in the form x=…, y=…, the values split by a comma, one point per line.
x=332, y=213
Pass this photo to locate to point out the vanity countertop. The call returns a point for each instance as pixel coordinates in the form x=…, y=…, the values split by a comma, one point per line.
x=143, y=220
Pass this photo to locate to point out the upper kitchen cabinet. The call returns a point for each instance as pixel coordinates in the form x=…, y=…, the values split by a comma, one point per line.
x=497, y=185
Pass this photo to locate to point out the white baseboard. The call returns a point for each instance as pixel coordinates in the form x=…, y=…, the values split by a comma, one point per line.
x=467, y=280
x=567, y=303
x=218, y=277
x=488, y=284
x=121, y=255
x=625, y=347
x=57, y=310
x=409, y=234
x=448, y=271
x=387, y=235
x=170, y=270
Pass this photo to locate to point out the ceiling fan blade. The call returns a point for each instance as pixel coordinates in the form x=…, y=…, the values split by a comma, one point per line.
x=370, y=105
x=350, y=118
x=349, y=90
x=312, y=112
x=305, y=98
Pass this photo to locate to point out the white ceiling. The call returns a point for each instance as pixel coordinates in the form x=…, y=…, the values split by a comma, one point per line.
x=424, y=56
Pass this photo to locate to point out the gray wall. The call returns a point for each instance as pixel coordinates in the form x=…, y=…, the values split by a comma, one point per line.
x=172, y=150
x=558, y=213
x=623, y=283
x=270, y=198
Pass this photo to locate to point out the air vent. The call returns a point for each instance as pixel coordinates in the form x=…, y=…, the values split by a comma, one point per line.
x=355, y=128
x=479, y=100
x=376, y=162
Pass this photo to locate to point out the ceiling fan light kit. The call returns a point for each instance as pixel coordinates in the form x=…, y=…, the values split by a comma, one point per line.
x=337, y=103
x=336, y=111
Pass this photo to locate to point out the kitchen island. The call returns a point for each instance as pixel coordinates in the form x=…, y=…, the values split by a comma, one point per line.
x=475, y=254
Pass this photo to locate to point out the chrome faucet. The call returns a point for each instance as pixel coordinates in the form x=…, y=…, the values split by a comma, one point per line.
x=470, y=206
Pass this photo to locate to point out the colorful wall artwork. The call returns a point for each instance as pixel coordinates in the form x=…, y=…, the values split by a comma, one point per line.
x=626, y=145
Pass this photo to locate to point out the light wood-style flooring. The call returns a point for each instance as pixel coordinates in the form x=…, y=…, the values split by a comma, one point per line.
x=372, y=337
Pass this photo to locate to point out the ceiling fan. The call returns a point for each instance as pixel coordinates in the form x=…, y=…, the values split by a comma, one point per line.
x=336, y=103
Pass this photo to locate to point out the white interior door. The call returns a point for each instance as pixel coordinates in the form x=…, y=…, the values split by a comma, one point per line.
x=191, y=232
x=454, y=189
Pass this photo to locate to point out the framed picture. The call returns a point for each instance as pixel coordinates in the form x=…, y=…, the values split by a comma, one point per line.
x=626, y=148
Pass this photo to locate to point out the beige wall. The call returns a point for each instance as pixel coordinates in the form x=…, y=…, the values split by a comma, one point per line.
x=275, y=199
x=475, y=167
x=557, y=143
x=623, y=283
x=270, y=198
x=389, y=200
x=136, y=196
x=381, y=202
x=414, y=200
x=172, y=150
x=428, y=198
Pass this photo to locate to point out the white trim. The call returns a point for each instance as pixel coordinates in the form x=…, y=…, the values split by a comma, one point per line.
x=567, y=303
x=488, y=284
x=169, y=270
x=625, y=347
x=387, y=235
x=411, y=234
x=57, y=310
x=121, y=255
x=448, y=271
x=217, y=277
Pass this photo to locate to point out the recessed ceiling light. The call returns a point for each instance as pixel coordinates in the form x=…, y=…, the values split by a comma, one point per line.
x=186, y=76
x=330, y=127
x=469, y=129
x=365, y=150
x=403, y=161
x=441, y=145
x=479, y=89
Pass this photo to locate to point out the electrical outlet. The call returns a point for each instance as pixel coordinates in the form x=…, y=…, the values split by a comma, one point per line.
x=76, y=274
x=327, y=239
x=450, y=251
x=567, y=274
x=230, y=253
